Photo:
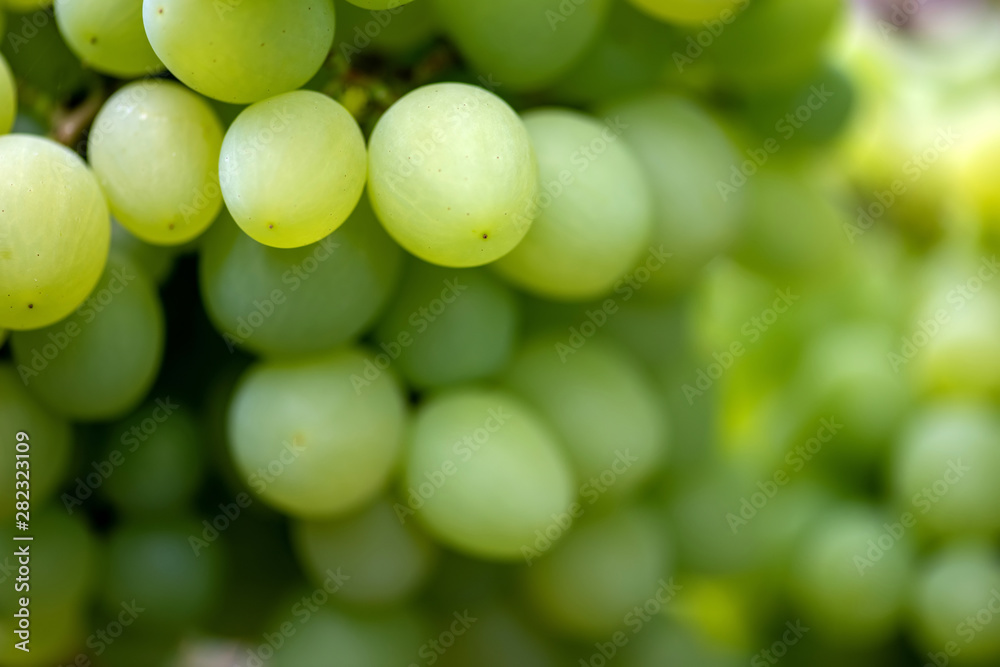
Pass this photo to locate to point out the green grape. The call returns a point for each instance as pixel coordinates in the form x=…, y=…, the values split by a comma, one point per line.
x=303, y=300
x=946, y=466
x=99, y=363
x=955, y=602
x=8, y=95
x=550, y=36
x=56, y=634
x=63, y=558
x=691, y=11
x=390, y=638
x=107, y=35
x=157, y=260
x=379, y=4
x=54, y=232
x=314, y=437
x=449, y=325
x=685, y=155
x=593, y=580
x=49, y=439
x=484, y=474
x=452, y=175
x=501, y=637
x=144, y=131
x=775, y=42
x=601, y=406
x=850, y=575
x=396, y=30
x=666, y=642
x=39, y=57
x=155, y=565
x=387, y=561
x=161, y=470
x=240, y=51
x=21, y=6
x=292, y=168
x=595, y=211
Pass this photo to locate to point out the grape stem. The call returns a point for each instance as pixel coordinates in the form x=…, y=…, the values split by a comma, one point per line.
x=68, y=124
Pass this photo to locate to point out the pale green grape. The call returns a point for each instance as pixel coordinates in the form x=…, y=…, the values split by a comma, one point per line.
x=49, y=438
x=317, y=437
x=685, y=155
x=99, y=363
x=293, y=168
x=395, y=30
x=386, y=560
x=240, y=51
x=155, y=565
x=452, y=175
x=955, y=602
x=54, y=232
x=691, y=11
x=602, y=407
x=594, y=210
x=523, y=44
x=155, y=150
x=379, y=4
x=604, y=568
x=302, y=300
x=160, y=470
x=484, y=474
x=107, y=35
x=850, y=575
x=449, y=325
x=946, y=467
x=8, y=95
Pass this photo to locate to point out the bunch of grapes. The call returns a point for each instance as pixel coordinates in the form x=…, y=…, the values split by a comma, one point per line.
x=500, y=332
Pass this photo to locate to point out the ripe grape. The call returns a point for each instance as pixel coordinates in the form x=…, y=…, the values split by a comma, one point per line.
x=146, y=131
x=314, y=437
x=54, y=232
x=452, y=175
x=449, y=325
x=595, y=210
x=240, y=51
x=379, y=4
x=484, y=473
x=8, y=96
x=107, y=35
x=691, y=11
x=292, y=168
x=99, y=363
x=299, y=301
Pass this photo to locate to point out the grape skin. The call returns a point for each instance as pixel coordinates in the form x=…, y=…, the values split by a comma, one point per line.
x=107, y=35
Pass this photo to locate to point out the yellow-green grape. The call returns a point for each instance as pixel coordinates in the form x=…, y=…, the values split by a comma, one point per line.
x=99, y=363
x=485, y=475
x=691, y=11
x=851, y=573
x=550, y=36
x=24, y=6
x=155, y=150
x=107, y=35
x=56, y=634
x=594, y=210
x=8, y=95
x=954, y=603
x=314, y=437
x=387, y=560
x=592, y=581
x=293, y=168
x=54, y=231
x=48, y=441
x=452, y=175
x=240, y=51
x=602, y=407
x=157, y=260
x=686, y=156
x=379, y=4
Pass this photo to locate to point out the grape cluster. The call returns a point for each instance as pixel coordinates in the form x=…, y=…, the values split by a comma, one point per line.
x=501, y=332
